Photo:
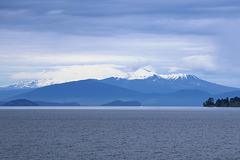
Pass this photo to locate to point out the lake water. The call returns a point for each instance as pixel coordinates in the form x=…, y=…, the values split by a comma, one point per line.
x=120, y=133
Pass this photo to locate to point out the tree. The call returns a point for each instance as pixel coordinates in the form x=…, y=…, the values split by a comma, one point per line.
x=209, y=102
x=218, y=103
x=227, y=102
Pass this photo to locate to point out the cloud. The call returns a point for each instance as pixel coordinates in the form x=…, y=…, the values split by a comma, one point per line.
x=204, y=63
x=177, y=69
x=228, y=41
x=169, y=35
x=63, y=59
x=48, y=48
x=116, y=17
x=74, y=73
x=55, y=12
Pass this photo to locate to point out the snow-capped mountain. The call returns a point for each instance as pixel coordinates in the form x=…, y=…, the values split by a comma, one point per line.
x=143, y=85
x=177, y=76
x=148, y=81
x=142, y=73
x=31, y=84
x=143, y=80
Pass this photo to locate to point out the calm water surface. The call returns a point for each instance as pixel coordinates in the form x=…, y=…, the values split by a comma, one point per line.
x=134, y=133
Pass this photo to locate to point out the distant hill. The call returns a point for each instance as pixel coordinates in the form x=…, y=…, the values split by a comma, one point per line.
x=40, y=103
x=57, y=104
x=20, y=102
x=85, y=92
x=121, y=103
x=94, y=92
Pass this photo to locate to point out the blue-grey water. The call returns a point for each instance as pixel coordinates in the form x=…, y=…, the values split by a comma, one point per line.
x=135, y=133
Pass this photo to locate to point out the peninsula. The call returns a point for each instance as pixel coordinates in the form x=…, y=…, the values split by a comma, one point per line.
x=233, y=102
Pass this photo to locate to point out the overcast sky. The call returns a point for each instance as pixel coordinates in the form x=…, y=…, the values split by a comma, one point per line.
x=42, y=38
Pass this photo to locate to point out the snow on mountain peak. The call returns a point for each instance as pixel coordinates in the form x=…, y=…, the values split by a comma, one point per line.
x=32, y=84
x=141, y=73
x=174, y=76
x=144, y=73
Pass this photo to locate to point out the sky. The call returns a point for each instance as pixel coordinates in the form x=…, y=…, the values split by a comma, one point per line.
x=72, y=39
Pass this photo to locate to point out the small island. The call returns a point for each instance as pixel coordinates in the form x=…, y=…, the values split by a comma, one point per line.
x=20, y=102
x=233, y=102
x=121, y=103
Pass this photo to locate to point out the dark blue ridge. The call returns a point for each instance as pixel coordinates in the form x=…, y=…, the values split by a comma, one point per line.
x=152, y=91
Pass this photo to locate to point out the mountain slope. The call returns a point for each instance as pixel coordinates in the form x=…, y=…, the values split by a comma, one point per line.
x=167, y=84
x=228, y=94
x=90, y=92
x=6, y=93
x=179, y=98
x=94, y=92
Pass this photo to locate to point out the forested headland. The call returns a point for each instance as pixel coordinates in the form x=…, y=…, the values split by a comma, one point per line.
x=232, y=102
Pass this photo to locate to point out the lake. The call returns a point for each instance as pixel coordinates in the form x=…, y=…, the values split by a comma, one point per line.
x=119, y=133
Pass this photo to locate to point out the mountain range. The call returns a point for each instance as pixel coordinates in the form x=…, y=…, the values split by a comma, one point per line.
x=144, y=86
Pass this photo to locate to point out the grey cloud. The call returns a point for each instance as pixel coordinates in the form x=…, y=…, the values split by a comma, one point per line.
x=113, y=16
x=61, y=27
